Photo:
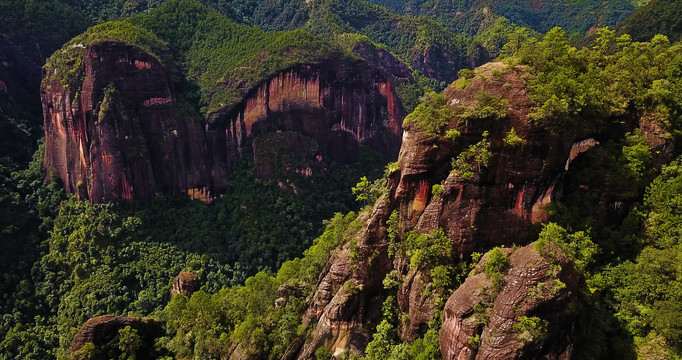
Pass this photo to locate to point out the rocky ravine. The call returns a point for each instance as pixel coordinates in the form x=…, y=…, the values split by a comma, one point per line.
x=120, y=133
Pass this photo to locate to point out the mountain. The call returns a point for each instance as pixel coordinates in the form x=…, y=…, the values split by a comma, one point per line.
x=188, y=198
x=656, y=17
x=118, y=127
x=456, y=256
x=572, y=16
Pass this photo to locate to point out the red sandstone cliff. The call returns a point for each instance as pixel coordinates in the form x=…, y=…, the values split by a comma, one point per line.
x=338, y=104
x=118, y=133
x=495, y=207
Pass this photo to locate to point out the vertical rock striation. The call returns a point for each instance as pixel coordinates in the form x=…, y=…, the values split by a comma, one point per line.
x=118, y=132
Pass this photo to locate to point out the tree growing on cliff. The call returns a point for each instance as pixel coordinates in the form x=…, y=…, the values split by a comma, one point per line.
x=469, y=162
x=432, y=116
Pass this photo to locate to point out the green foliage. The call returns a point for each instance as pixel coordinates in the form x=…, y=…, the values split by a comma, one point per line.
x=637, y=155
x=486, y=106
x=530, y=329
x=392, y=280
x=66, y=66
x=426, y=250
x=655, y=17
x=437, y=190
x=128, y=343
x=469, y=162
x=220, y=54
x=579, y=91
x=578, y=246
x=247, y=313
x=496, y=265
x=512, y=139
x=432, y=115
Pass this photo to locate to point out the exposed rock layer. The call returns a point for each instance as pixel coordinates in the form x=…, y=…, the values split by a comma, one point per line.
x=102, y=331
x=121, y=134
x=185, y=283
x=524, y=319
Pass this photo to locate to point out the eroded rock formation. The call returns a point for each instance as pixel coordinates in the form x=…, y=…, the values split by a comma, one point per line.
x=185, y=283
x=119, y=133
x=103, y=332
x=523, y=317
x=495, y=207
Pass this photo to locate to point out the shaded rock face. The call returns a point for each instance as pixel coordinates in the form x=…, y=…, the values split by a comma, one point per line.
x=349, y=293
x=185, y=283
x=119, y=134
x=338, y=105
x=526, y=318
x=20, y=71
x=382, y=59
x=102, y=331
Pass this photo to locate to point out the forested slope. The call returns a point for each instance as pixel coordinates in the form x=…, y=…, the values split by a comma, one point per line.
x=554, y=167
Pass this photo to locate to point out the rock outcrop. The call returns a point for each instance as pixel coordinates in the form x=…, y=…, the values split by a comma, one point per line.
x=103, y=332
x=495, y=207
x=349, y=294
x=120, y=133
x=523, y=317
x=185, y=283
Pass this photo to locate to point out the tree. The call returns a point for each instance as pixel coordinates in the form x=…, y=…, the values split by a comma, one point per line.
x=128, y=343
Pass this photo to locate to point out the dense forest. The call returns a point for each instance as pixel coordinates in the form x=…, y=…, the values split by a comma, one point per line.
x=264, y=250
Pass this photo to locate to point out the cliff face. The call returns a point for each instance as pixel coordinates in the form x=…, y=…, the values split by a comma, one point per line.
x=118, y=135
x=496, y=206
x=339, y=105
x=118, y=132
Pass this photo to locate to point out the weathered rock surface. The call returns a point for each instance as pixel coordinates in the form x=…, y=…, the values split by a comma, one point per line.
x=120, y=134
x=102, y=331
x=185, y=283
x=497, y=205
x=339, y=105
x=526, y=318
x=349, y=293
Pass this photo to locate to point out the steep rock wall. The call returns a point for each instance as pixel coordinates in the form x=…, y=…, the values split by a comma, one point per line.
x=117, y=132
x=496, y=206
x=525, y=318
x=341, y=105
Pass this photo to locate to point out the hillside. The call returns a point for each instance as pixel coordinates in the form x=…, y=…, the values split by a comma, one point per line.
x=572, y=16
x=340, y=179
x=656, y=17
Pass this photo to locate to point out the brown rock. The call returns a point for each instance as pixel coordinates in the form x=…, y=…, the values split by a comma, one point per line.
x=497, y=206
x=348, y=293
x=525, y=319
x=117, y=134
x=102, y=331
x=185, y=283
